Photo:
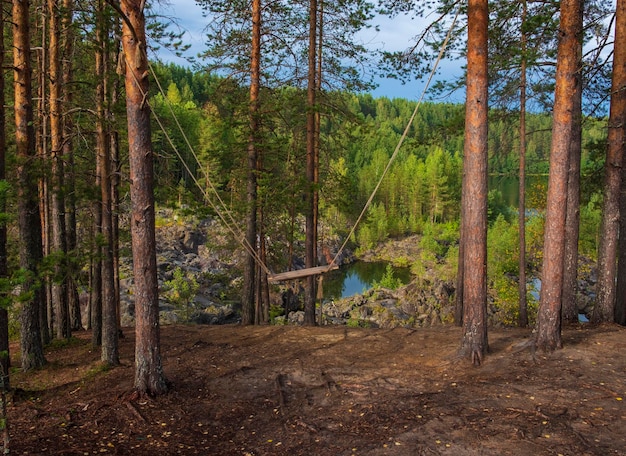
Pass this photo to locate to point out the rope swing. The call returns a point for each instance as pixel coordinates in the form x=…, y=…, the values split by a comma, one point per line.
x=228, y=220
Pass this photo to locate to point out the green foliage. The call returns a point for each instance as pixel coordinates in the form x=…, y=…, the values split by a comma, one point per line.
x=5, y=193
x=388, y=280
x=534, y=241
x=496, y=206
x=505, y=294
x=503, y=248
x=421, y=190
x=357, y=323
x=590, y=221
x=181, y=291
x=56, y=344
x=503, y=266
x=374, y=229
x=275, y=311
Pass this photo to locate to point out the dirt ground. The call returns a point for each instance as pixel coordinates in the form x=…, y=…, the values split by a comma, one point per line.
x=277, y=390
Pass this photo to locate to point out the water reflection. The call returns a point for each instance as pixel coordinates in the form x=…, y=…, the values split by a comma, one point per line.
x=358, y=277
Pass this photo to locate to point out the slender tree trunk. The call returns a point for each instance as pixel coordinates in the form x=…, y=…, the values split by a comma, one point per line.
x=73, y=299
x=310, y=241
x=250, y=276
x=57, y=198
x=95, y=292
x=46, y=311
x=474, y=343
x=30, y=247
x=548, y=333
x=149, y=376
x=521, y=214
x=569, y=299
x=115, y=222
x=5, y=359
x=604, y=309
x=116, y=169
x=110, y=353
x=316, y=154
x=97, y=279
x=620, y=294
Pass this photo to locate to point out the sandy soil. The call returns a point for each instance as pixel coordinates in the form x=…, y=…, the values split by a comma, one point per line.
x=276, y=390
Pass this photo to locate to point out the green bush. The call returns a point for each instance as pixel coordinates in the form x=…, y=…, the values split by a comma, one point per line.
x=503, y=248
x=505, y=293
x=181, y=291
x=590, y=221
x=275, y=311
x=388, y=280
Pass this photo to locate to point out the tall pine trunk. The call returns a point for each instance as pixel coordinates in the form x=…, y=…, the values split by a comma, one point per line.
x=73, y=298
x=97, y=269
x=46, y=311
x=521, y=208
x=251, y=277
x=604, y=309
x=620, y=294
x=109, y=352
x=149, y=376
x=4, y=267
x=60, y=305
x=548, y=333
x=569, y=299
x=30, y=247
x=310, y=241
x=474, y=343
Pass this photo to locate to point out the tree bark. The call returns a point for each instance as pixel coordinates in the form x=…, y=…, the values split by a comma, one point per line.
x=95, y=295
x=250, y=277
x=548, y=334
x=474, y=343
x=30, y=247
x=149, y=375
x=115, y=221
x=604, y=309
x=521, y=209
x=110, y=352
x=620, y=294
x=57, y=197
x=69, y=178
x=5, y=358
x=569, y=298
x=46, y=310
x=310, y=241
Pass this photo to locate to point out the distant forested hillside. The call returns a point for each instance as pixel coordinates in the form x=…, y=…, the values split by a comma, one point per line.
x=358, y=136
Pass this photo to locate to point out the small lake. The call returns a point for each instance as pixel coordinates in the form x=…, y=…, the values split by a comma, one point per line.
x=358, y=277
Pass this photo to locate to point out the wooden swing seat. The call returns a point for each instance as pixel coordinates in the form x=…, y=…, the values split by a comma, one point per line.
x=300, y=273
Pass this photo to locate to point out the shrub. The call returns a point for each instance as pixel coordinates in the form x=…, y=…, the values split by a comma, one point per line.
x=505, y=293
x=181, y=291
x=388, y=280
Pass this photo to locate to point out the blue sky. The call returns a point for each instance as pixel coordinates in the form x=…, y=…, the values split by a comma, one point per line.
x=394, y=34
